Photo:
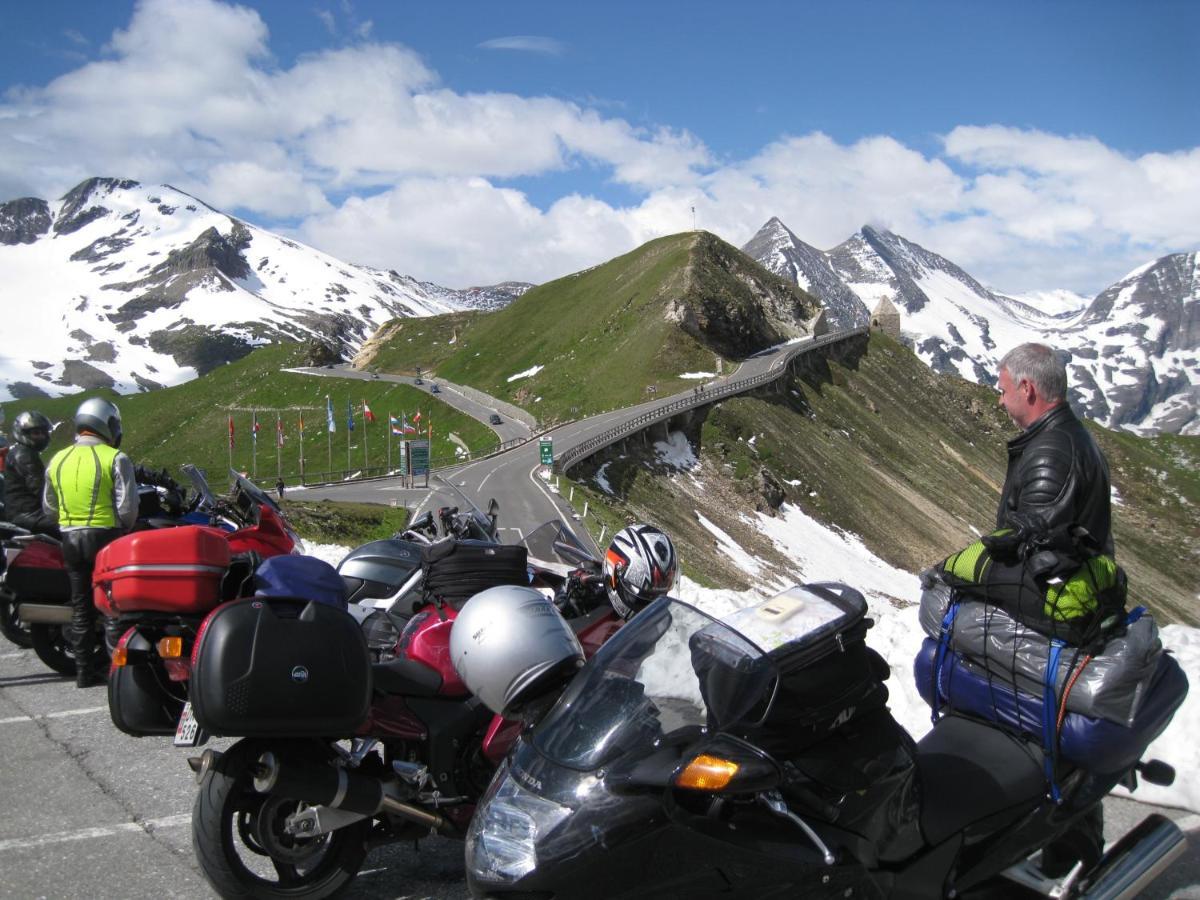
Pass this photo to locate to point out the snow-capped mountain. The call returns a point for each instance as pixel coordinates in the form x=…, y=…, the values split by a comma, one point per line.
x=781, y=252
x=137, y=286
x=1134, y=349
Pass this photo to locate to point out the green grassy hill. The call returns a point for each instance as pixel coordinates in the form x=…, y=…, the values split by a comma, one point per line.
x=188, y=423
x=600, y=338
x=910, y=461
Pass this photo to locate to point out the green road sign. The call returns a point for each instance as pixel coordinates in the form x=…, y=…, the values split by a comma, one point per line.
x=420, y=457
x=546, y=451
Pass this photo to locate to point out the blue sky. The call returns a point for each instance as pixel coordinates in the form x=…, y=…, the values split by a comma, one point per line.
x=1039, y=145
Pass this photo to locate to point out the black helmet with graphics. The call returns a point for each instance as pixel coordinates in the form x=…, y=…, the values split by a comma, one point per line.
x=100, y=417
x=32, y=429
x=640, y=566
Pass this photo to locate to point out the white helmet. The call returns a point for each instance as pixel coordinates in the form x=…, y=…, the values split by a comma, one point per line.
x=100, y=417
x=639, y=567
x=511, y=646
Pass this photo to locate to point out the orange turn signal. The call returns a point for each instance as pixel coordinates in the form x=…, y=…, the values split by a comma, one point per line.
x=170, y=647
x=707, y=773
x=120, y=656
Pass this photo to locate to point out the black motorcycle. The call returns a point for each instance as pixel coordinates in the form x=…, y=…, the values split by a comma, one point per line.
x=756, y=757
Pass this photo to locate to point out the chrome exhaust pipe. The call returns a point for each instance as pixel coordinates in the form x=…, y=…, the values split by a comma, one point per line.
x=337, y=788
x=1135, y=860
x=44, y=614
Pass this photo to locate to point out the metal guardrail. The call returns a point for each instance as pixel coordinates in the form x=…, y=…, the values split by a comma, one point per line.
x=691, y=401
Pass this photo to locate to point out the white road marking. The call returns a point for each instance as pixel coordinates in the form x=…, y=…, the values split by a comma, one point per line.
x=103, y=831
x=479, y=490
x=56, y=715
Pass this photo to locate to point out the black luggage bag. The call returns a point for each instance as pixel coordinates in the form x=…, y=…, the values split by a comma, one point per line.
x=454, y=571
x=267, y=667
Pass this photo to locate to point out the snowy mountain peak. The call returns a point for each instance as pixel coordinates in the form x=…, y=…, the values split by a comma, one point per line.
x=1134, y=348
x=143, y=286
x=781, y=252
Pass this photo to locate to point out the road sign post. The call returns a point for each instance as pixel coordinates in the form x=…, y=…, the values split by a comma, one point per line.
x=546, y=451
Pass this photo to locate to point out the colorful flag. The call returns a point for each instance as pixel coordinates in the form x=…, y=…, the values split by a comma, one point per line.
x=401, y=426
x=329, y=414
x=301, y=424
x=231, y=432
x=254, y=430
x=367, y=414
x=278, y=430
x=417, y=418
x=349, y=416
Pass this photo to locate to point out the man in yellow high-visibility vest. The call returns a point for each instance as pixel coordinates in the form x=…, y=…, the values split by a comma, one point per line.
x=91, y=488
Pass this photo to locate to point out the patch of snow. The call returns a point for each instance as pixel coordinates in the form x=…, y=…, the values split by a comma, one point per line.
x=696, y=375
x=751, y=565
x=602, y=480
x=526, y=374
x=677, y=452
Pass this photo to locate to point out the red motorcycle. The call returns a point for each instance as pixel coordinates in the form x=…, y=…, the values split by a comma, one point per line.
x=35, y=595
x=340, y=752
x=159, y=586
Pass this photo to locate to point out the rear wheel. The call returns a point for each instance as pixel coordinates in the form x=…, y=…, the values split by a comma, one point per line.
x=243, y=850
x=10, y=625
x=52, y=647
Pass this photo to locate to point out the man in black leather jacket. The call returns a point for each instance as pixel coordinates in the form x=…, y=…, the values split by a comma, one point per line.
x=1055, y=470
x=25, y=474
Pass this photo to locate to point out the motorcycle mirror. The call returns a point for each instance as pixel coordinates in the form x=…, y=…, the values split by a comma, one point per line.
x=727, y=764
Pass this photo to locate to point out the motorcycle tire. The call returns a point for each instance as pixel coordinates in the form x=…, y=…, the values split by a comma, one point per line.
x=238, y=839
x=51, y=646
x=10, y=625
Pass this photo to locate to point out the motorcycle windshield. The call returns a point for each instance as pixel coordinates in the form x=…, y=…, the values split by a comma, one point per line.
x=668, y=674
x=553, y=546
x=200, y=485
x=249, y=497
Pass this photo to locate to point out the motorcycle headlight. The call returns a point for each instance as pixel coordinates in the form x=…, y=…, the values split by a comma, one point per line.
x=502, y=842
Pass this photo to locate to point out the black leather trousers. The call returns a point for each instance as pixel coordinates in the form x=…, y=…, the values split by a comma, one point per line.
x=80, y=547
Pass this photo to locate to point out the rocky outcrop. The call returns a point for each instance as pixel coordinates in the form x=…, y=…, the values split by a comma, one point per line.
x=23, y=221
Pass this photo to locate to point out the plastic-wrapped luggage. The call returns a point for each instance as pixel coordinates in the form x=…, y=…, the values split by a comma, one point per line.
x=1112, y=684
x=1093, y=744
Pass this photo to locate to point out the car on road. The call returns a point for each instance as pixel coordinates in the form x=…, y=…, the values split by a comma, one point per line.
x=434, y=389
x=418, y=380
x=495, y=419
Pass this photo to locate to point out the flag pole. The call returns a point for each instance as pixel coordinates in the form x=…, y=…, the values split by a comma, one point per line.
x=389, y=440
x=366, y=459
x=302, y=447
x=254, y=441
x=229, y=415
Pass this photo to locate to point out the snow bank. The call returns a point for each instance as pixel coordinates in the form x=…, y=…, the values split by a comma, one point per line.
x=528, y=373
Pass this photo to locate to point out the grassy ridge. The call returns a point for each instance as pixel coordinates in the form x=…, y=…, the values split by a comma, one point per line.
x=909, y=461
x=602, y=337
x=188, y=423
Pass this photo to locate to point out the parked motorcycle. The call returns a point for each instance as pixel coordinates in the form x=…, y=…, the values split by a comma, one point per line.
x=35, y=595
x=349, y=749
x=652, y=776
x=159, y=586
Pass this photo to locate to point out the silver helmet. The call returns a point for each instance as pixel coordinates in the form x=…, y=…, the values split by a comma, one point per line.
x=101, y=417
x=640, y=566
x=510, y=646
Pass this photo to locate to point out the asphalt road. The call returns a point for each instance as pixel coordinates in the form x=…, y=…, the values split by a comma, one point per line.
x=88, y=811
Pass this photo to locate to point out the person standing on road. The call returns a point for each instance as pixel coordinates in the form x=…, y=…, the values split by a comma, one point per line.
x=279, y=486
x=25, y=474
x=91, y=488
x=1056, y=473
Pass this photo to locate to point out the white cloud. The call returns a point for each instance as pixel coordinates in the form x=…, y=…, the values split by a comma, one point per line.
x=379, y=162
x=528, y=43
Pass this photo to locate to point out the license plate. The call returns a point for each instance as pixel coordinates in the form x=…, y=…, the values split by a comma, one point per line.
x=187, y=732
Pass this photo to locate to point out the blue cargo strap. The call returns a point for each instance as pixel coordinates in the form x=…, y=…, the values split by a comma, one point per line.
x=943, y=646
x=1134, y=614
x=1049, y=719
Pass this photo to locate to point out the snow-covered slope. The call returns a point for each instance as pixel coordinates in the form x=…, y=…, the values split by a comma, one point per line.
x=1134, y=349
x=135, y=286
